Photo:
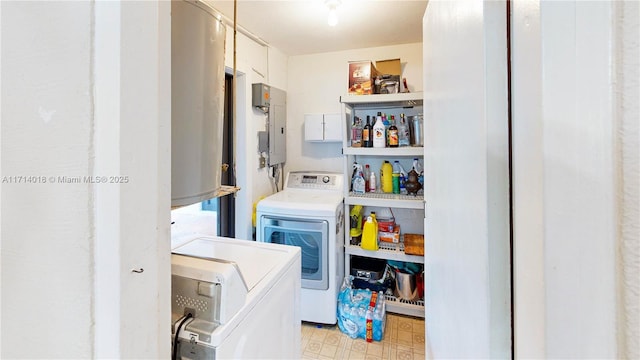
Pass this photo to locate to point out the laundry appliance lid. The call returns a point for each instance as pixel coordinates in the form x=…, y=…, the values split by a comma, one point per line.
x=302, y=202
x=254, y=262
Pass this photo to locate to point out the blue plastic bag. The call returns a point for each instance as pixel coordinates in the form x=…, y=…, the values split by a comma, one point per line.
x=355, y=306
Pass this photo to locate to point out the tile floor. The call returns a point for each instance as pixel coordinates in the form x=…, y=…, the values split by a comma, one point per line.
x=403, y=340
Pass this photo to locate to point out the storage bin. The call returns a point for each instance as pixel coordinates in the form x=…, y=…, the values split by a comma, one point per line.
x=368, y=268
x=386, y=224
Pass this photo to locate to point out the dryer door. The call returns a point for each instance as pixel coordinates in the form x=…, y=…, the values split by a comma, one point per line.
x=312, y=238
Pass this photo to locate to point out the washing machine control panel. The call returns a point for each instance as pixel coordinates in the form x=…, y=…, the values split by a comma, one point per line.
x=316, y=181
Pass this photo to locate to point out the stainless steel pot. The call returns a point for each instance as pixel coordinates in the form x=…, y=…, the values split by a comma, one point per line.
x=406, y=286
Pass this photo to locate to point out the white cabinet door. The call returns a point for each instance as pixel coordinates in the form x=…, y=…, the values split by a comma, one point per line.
x=332, y=128
x=313, y=127
x=322, y=127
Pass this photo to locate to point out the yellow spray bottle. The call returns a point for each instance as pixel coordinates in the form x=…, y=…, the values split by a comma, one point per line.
x=355, y=217
x=369, y=235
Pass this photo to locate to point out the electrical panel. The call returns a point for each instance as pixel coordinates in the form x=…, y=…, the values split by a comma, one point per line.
x=261, y=95
x=277, y=126
x=273, y=102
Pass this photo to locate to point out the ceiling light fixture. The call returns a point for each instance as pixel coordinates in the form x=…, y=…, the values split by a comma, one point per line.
x=332, y=20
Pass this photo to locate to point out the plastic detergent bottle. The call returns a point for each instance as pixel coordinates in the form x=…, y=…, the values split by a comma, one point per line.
x=369, y=235
x=374, y=217
x=418, y=168
x=397, y=168
x=359, y=183
x=386, y=179
x=372, y=182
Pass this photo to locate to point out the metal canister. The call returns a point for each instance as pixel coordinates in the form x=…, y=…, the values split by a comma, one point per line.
x=417, y=130
x=406, y=286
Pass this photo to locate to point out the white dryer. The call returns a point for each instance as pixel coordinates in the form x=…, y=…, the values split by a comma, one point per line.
x=308, y=213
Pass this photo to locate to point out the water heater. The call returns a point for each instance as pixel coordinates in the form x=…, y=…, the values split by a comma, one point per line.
x=197, y=101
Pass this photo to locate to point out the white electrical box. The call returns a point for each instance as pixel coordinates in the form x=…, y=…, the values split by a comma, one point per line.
x=322, y=127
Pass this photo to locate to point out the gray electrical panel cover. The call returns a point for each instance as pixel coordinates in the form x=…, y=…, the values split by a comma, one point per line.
x=261, y=95
x=277, y=126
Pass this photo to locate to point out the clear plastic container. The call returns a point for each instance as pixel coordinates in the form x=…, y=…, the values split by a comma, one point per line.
x=417, y=130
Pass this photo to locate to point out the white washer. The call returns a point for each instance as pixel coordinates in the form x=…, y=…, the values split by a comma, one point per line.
x=242, y=298
x=308, y=213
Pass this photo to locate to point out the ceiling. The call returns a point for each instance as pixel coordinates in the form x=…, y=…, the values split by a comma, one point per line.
x=298, y=27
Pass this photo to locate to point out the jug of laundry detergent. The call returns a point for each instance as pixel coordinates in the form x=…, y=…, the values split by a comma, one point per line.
x=369, y=235
x=386, y=178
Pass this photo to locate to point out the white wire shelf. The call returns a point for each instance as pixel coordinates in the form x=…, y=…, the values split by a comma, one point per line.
x=387, y=251
x=384, y=100
x=386, y=200
x=405, y=307
x=387, y=151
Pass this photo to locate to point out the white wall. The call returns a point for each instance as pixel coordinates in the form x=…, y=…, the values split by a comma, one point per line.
x=627, y=110
x=467, y=290
x=131, y=135
x=575, y=178
x=46, y=131
x=68, y=248
x=315, y=85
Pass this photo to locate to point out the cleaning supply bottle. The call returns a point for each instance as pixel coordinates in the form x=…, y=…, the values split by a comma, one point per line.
x=418, y=168
x=397, y=168
x=353, y=175
x=396, y=182
x=374, y=217
x=372, y=182
x=379, y=134
x=355, y=231
x=369, y=235
x=386, y=178
x=359, y=183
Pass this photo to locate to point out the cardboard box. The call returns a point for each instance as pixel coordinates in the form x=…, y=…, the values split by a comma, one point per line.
x=390, y=72
x=362, y=75
x=389, y=67
x=392, y=237
x=414, y=244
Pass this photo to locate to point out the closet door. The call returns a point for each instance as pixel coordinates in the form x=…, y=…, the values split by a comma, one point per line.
x=467, y=249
